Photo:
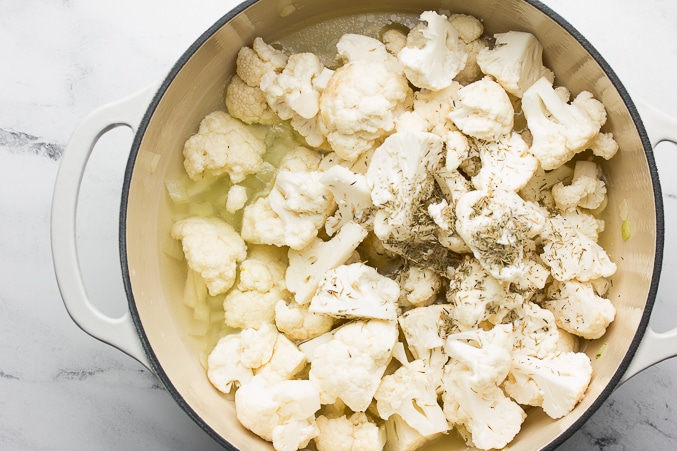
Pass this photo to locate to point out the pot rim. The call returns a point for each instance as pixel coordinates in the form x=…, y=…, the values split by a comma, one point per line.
x=606, y=68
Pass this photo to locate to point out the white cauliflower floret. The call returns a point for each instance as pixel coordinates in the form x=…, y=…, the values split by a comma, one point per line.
x=307, y=266
x=245, y=308
x=301, y=159
x=360, y=104
x=507, y=164
x=483, y=110
x=418, y=286
x=458, y=149
x=286, y=361
x=472, y=399
x=356, y=291
x=411, y=393
x=394, y=40
x=470, y=31
x=497, y=228
x=398, y=175
x=578, y=309
x=292, y=213
x=571, y=254
x=258, y=345
x=351, y=194
x=212, y=248
x=535, y=331
x=604, y=145
x=431, y=110
x=358, y=47
x=586, y=190
x=237, y=198
x=433, y=55
x=557, y=382
x=223, y=145
x=351, y=364
x=354, y=433
x=469, y=27
x=424, y=328
x=248, y=103
x=585, y=222
x=539, y=187
x=560, y=130
x=402, y=437
x=282, y=413
x=255, y=61
x=515, y=61
x=299, y=324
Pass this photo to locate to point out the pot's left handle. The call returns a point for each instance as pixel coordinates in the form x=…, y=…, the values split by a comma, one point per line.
x=118, y=332
x=655, y=346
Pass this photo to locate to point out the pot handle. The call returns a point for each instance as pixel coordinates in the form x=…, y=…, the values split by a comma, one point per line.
x=655, y=347
x=117, y=332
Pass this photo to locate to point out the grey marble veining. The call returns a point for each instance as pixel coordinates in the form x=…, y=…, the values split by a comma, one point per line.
x=59, y=388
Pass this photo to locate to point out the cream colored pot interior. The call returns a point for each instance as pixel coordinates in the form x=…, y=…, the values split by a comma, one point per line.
x=155, y=281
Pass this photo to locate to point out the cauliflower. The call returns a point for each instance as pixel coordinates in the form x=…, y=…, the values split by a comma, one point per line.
x=307, y=266
x=286, y=361
x=354, y=433
x=560, y=130
x=282, y=413
x=556, y=383
x=356, y=47
x=483, y=110
x=515, y=61
x=585, y=222
x=410, y=393
x=360, y=104
x=394, y=40
x=223, y=145
x=433, y=55
x=578, y=310
x=587, y=189
x=212, y=248
x=237, y=198
x=604, y=145
x=535, y=331
x=431, y=109
x=497, y=228
x=402, y=437
x=472, y=399
x=351, y=194
x=351, y=364
x=255, y=61
x=292, y=213
x=248, y=103
x=571, y=254
x=356, y=291
x=470, y=31
x=418, y=286
x=424, y=328
x=507, y=164
x=539, y=188
x=298, y=323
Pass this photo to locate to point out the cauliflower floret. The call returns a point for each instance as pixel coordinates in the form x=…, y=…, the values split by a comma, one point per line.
x=483, y=110
x=578, y=309
x=497, y=228
x=301, y=159
x=604, y=145
x=299, y=324
x=472, y=71
x=223, y=145
x=394, y=40
x=431, y=109
x=571, y=254
x=402, y=437
x=357, y=47
x=560, y=130
x=418, y=286
x=286, y=361
x=585, y=222
x=360, y=104
x=307, y=266
x=212, y=248
x=250, y=308
x=433, y=55
x=535, y=331
x=282, y=413
x=515, y=61
x=472, y=399
x=352, y=196
x=354, y=433
x=292, y=213
x=237, y=198
x=556, y=383
x=507, y=164
x=469, y=27
x=248, y=103
x=410, y=393
x=539, y=187
x=424, y=328
x=351, y=364
x=356, y=291
x=253, y=62
x=587, y=189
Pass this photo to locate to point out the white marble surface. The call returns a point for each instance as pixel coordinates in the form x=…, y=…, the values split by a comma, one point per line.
x=60, y=389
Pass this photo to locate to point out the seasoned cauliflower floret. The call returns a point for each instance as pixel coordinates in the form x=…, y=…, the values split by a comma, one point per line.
x=433, y=55
x=425, y=328
x=515, y=61
x=212, y=248
x=579, y=310
x=507, y=164
x=394, y=40
x=223, y=145
x=353, y=433
x=351, y=364
x=432, y=109
x=418, y=286
x=586, y=190
x=352, y=196
x=255, y=61
x=483, y=110
x=298, y=323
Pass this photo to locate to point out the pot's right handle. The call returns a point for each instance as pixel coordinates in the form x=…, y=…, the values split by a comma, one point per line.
x=118, y=332
x=655, y=347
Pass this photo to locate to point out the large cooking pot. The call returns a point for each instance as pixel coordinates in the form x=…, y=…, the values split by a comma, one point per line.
x=155, y=329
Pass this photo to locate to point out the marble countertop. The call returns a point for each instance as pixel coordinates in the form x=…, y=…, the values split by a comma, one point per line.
x=60, y=389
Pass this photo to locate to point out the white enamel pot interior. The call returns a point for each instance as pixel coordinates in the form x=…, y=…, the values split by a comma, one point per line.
x=155, y=331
